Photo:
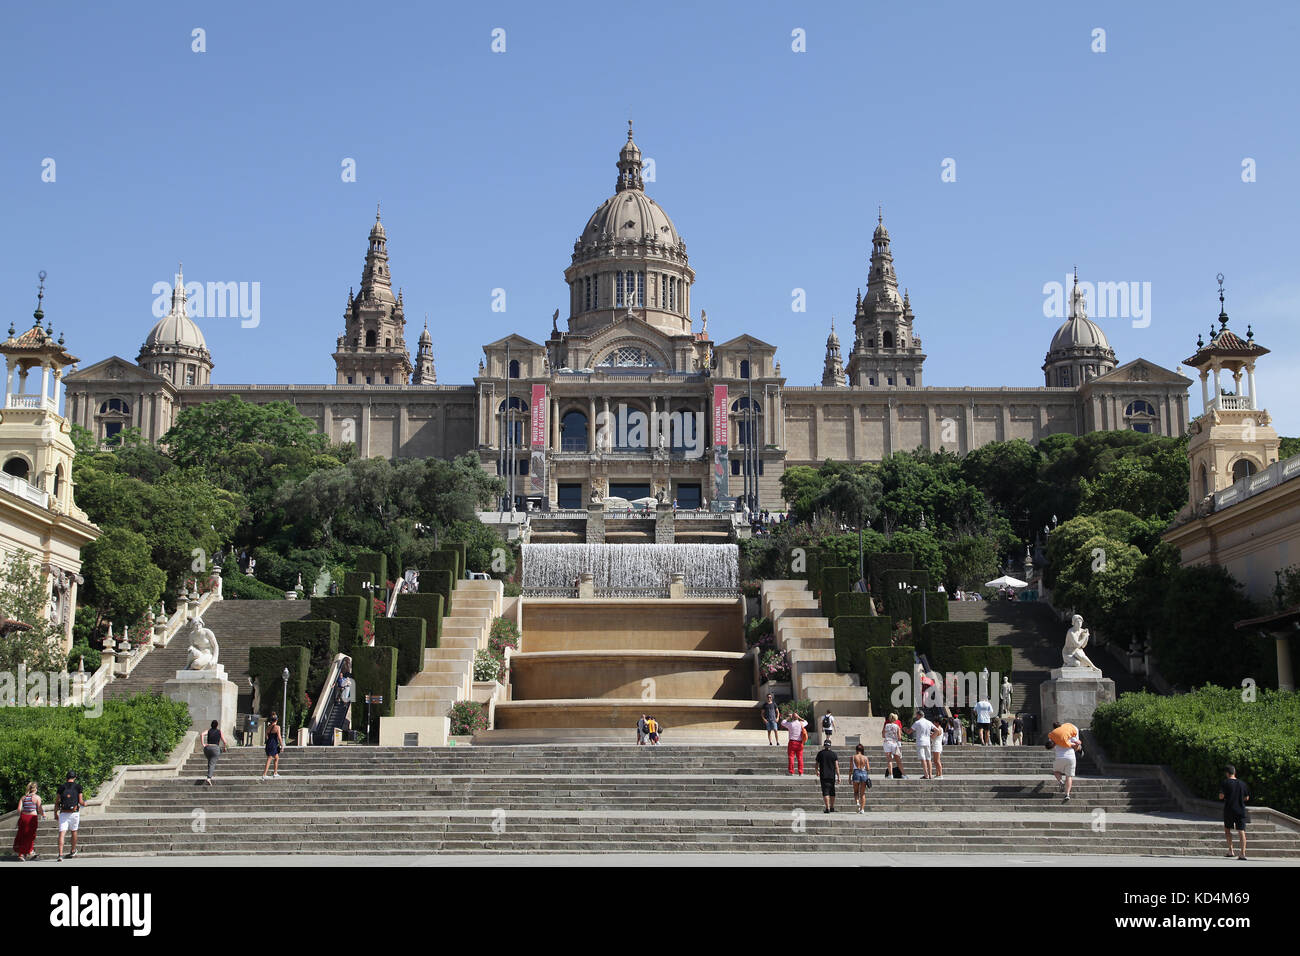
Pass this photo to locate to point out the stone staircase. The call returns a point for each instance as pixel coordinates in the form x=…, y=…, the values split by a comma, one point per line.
x=800, y=629
x=237, y=625
x=422, y=705
x=629, y=799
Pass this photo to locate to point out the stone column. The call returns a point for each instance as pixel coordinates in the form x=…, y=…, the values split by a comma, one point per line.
x=591, y=425
x=609, y=430
x=1205, y=390
x=652, y=426
x=45, y=383
x=363, y=438
x=555, y=424
x=1250, y=378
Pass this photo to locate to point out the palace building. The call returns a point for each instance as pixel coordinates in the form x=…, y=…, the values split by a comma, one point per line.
x=630, y=396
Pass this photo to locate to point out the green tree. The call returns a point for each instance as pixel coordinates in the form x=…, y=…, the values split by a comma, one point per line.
x=1097, y=581
x=1006, y=472
x=23, y=598
x=800, y=487
x=1195, y=640
x=204, y=435
x=121, y=578
x=1150, y=485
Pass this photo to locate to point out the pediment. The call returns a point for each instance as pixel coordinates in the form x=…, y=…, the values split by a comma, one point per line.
x=744, y=343
x=114, y=371
x=1141, y=371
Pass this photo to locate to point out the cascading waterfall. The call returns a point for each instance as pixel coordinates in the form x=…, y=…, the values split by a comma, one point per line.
x=706, y=566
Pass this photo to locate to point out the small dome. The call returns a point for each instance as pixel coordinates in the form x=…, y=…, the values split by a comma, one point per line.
x=425, y=337
x=630, y=215
x=1079, y=333
x=175, y=330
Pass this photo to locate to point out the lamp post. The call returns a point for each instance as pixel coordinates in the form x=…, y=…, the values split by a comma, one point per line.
x=285, y=675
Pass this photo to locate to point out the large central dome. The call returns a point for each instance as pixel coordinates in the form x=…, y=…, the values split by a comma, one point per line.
x=629, y=258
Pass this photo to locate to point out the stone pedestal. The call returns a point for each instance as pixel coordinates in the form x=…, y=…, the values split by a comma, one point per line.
x=1072, y=695
x=210, y=697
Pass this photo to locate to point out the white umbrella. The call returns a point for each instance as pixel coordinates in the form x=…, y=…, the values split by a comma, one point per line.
x=645, y=502
x=1006, y=581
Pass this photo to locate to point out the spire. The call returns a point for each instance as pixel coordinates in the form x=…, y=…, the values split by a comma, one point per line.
x=833, y=369
x=376, y=283
x=40, y=299
x=629, y=165
x=1223, y=314
x=1078, y=305
x=178, y=292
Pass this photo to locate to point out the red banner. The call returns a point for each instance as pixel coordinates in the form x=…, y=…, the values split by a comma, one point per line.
x=720, y=461
x=537, y=462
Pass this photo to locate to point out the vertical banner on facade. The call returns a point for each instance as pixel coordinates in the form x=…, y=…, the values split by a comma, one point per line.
x=720, y=464
x=537, y=443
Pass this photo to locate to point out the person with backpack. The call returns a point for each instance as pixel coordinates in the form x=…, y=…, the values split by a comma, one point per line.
x=796, y=730
x=642, y=730
x=828, y=726
x=69, y=802
x=652, y=730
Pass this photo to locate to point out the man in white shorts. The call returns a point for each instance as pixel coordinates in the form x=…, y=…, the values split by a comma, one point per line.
x=921, y=729
x=69, y=802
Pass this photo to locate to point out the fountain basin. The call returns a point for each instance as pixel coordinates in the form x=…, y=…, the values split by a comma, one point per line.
x=626, y=624
x=647, y=675
x=623, y=713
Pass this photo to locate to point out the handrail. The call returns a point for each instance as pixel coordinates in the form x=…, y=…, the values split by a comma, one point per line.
x=328, y=695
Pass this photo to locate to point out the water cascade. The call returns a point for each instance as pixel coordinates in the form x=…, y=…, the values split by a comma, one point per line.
x=712, y=567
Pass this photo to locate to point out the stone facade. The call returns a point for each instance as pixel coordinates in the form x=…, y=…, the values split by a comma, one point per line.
x=630, y=388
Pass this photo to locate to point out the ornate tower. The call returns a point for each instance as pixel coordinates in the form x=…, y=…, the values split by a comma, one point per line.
x=1233, y=437
x=885, y=352
x=833, y=371
x=175, y=349
x=372, y=348
x=424, y=373
x=629, y=259
x=1080, y=350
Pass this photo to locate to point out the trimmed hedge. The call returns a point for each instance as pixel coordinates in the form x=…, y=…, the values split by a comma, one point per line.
x=430, y=607
x=321, y=638
x=941, y=642
x=898, y=601
x=42, y=744
x=434, y=581
x=407, y=635
x=936, y=609
x=853, y=635
x=445, y=560
x=375, y=671
x=997, y=659
x=376, y=564
x=881, y=665
x=266, y=665
x=880, y=562
x=463, y=550
x=854, y=604
x=354, y=583
x=834, y=581
x=1198, y=733
x=240, y=587
x=347, y=611
x=813, y=569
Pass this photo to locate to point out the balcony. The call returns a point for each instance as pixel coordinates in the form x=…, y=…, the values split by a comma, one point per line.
x=33, y=402
x=21, y=488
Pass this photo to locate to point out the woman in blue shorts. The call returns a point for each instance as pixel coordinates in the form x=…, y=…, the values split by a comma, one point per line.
x=861, y=768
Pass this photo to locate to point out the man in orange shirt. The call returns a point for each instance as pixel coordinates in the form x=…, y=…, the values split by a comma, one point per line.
x=1064, y=739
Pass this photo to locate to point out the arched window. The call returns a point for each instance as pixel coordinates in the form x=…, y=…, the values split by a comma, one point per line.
x=388, y=343
x=1140, y=408
x=115, y=405
x=1205, y=482
x=58, y=480
x=573, y=431
x=17, y=467
x=514, y=368
x=748, y=421
x=1140, y=416
x=630, y=357
x=370, y=339
x=887, y=340
x=744, y=368
x=1241, y=468
x=511, y=428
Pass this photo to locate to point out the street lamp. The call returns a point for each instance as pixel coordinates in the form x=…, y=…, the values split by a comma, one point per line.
x=285, y=675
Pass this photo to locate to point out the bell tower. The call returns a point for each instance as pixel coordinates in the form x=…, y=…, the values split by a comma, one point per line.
x=1233, y=438
x=372, y=348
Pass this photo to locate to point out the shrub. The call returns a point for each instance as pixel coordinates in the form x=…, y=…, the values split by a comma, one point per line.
x=407, y=635
x=240, y=587
x=488, y=666
x=854, y=604
x=266, y=665
x=935, y=609
x=375, y=563
x=972, y=660
x=1198, y=733
x=756, y=629
x=882, y=664
x=433, y=581
x=467, y=717
x=428, y=607
x=43, y=743
x=513, y=589
x=86, y=653
x=774, y=665
x=801, y=707
x=940, y=641
x=504, y=634
x=898, y=601
x=834, y=581
x=853, y=635
x=321, y=638
x=375, y=671
x=880, y=562
x=359, y=583
x=347, y=611
x=445, y=560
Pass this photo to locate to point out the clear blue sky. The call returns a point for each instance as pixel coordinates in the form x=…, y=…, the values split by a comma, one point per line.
x=770, y=162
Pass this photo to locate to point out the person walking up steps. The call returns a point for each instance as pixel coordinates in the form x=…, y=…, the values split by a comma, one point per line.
x=828, y=773
x=30, y=814
x=1064, y=739
x=891, y=735
x=861, y=768
x=642, y=730
x=1234, y=795
x=274, y=744
x=796, y=733
x=216, y=744
x=828, y=726
x=69, y=802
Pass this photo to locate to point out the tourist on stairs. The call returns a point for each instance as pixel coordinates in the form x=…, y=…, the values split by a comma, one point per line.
x=796, y=733
x=892, y=737
x=770, y=716
x=861, y=778
x=921, y=733
x=936, y=748
x=216, y=744
x=1064, y=738
x=274, y=744
x=828, y=773
x=31, y=812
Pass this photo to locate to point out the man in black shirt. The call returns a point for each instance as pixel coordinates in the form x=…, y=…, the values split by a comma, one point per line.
x=828, y=772
x=69, y=803
x=1234, y=795
x=770, y=717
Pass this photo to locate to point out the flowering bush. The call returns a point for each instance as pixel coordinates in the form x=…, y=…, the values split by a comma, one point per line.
x=487, y=666
x=774, y=665
x=504, y=634
x=467, y=718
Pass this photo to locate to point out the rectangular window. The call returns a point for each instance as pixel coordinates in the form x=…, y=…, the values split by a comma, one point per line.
x=618, y=289
x=640, y=289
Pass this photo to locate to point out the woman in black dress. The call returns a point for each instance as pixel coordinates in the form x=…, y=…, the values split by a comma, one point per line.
x=274, y=744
